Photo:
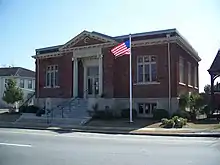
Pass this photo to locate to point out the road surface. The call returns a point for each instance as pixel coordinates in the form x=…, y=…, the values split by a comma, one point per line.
x=33, y=147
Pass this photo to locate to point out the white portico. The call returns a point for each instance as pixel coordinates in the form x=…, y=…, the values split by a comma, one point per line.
x=92, y=61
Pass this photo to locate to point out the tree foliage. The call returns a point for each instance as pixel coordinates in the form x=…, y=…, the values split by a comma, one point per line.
x=12, y=93
x=207, y=89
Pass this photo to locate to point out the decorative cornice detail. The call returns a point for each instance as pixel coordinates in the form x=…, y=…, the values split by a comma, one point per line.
x=81, y=36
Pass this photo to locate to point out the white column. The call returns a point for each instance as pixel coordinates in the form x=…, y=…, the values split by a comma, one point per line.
x=100, y=75
x=75, y=77
x=85, y=80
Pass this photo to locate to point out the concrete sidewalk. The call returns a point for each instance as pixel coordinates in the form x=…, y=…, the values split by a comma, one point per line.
x=184, y=132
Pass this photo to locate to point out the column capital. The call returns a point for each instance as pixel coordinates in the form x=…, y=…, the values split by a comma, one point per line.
x=74, y=59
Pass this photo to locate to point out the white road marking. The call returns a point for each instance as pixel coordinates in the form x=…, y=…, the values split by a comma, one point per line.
x=17, y=145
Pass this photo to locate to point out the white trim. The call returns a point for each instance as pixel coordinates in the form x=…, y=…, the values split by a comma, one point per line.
x=196, y=87
x=180, y=83
x=190, y=86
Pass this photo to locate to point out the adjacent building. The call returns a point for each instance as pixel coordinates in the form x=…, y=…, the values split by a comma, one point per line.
x=164, y=65
x=25, y=80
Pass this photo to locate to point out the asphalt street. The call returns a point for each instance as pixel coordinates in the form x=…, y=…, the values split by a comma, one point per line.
x=34, y=147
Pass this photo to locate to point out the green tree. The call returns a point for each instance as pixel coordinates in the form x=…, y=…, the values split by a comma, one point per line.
x=12, y=93
x=207, y=89
x=184, y=101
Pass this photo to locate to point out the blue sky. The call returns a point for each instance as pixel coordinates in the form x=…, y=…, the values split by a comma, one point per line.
x=26, y=25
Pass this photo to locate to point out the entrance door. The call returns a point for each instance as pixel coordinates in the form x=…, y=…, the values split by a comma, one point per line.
x=92, y=81
x=146, y=109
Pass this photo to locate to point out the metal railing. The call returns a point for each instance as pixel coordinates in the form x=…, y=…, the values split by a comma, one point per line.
x=65, y=104
x=27, y=100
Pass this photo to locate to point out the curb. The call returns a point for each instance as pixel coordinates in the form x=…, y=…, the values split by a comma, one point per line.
x=199, y=134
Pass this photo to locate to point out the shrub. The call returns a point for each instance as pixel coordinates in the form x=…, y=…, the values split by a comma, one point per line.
x=102, y=115
x=28, y=109
x=158, y=114
x=169, y=124
x=125, y=113
x=175, y=122
x=183, y=114
x=40, y=112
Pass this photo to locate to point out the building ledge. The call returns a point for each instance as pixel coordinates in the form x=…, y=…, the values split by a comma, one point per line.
x=180, y=83
x=148, y=83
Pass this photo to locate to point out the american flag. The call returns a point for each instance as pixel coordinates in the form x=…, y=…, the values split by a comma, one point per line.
x=122, y=49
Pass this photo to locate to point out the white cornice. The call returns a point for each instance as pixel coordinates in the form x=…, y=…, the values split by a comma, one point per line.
x=139, y=43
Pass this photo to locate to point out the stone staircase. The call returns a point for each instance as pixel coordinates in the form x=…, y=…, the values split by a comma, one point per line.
x=75, y=110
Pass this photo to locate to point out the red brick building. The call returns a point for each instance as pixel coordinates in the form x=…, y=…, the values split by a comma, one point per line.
x=164, y=65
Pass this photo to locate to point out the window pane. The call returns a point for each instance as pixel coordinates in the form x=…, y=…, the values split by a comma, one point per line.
x=56, y=78
x=153, y=58
x=140, y=59
x=154, y=72
x=48, y=79
x=90, y=85
x=147, y=108
x=146, y=59
x=153, y=107
x=140, y=73
x=22, y=83
x=30, y=84
x=96, y=86
x=52, y=79
x=146, y=71
x=140, y=108
x=93, y=71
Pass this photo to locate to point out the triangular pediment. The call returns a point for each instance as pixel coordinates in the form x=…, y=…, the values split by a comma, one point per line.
x=215, y=67
x=86, y=38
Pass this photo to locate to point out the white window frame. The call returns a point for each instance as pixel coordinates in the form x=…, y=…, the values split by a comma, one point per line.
x=189, y=74
x=52, y=70
x=150, y=68
x=30, y=84
x=181, y=71
x=21, y=86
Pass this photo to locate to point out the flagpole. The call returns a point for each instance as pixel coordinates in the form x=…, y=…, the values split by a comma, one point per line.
x=130, y=66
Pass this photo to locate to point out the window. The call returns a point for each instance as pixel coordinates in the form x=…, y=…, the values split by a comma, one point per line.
x=52, y=76
x=146, y=108
x=181, y=70
x=29, y=84
x=21, y=83
x=146, y=69
x=6, y=82
x=189, y=74
x=196, y=76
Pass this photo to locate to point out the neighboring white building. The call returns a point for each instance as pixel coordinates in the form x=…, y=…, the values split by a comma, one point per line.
x=25, y=80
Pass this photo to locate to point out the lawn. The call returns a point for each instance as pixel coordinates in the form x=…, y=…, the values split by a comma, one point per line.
x=150, y=123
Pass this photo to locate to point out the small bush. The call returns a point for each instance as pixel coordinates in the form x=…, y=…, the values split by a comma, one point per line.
x=102, y=115
x=159, y=114
x=183, y=114
x=28, y=109
x=175, y=122
x=169, y=124
x=125, y=113
x=40, y=112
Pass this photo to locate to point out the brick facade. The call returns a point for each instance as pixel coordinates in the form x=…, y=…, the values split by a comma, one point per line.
x=115, y=71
